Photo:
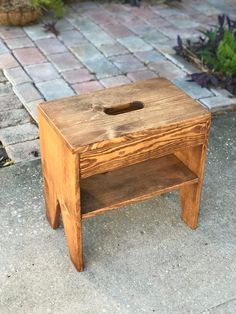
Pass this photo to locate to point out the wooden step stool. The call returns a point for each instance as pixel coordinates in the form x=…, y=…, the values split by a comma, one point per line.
x=120, y=145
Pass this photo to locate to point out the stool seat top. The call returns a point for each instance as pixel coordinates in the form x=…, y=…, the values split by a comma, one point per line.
x=119, y=114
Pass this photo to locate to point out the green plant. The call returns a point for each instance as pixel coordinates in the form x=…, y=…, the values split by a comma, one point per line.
x=220, y=56
x=215, y=53
x=57, y=6
x=226, y=54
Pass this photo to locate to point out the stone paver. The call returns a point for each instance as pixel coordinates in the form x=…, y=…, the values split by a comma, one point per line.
x=154, y=38
x=105, y=44
x=27, y=92
x=87, y=52
x=7, y=61
x=3, y=48
x=85, y=25
x=99, y=17
x=63, y=25
x=19, y=133
x=50, y=46
x=42, y=72
x=32, y=108
x=149, y=56
x=172, y=32
x=192, y=89
x=72, y=38
x=102, y=68
x=218, y=103
x=182, y=63
x=3, y=79
x=218, y=91
x=23, y=151
x=15, y=122
x=183, y=21
x=110, y=50
x=134, y=44
x=87, y=87
x=28, y=56
x=20, y=42
x=5, y=88
x=207, y=9
x=166, y=48
x=17, y=76
x=7, y=32
x=36, y=32
x=127, y=63
x=65, y=61
x=9, y=102
x=98, y=38
x=117, y=30
x=55, y=89
x=141, y=75
x=115, y=81
x=13, y=117
x=77, y=76
x=166, y=69
x=167, y=11
x=146, y=13
x=142, y=28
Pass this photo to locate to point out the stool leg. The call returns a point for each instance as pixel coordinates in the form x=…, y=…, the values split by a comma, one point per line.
x=61, y=174
x=190, y=203
x=52, y=205
x=73, y=232
x=190, y=195
x=69, y=199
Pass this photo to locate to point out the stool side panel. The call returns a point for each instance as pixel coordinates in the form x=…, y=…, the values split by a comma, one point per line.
x=190, y=196
x=131, y=152
x=61, y=176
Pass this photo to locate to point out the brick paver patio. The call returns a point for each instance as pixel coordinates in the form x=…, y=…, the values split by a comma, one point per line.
x=99, y=46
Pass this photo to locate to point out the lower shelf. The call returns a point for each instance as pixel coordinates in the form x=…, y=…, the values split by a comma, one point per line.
x=134, y=183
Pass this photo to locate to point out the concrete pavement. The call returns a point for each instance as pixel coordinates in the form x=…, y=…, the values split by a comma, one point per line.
x=142, y=259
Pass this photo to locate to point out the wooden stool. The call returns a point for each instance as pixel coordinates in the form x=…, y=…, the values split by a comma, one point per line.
x=120, y=145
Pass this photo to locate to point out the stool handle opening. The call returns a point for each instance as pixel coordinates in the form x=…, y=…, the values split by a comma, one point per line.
x=132, y=106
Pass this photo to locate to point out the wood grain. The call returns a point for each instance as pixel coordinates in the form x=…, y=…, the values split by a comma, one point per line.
x=149, y=145
x=61, y=188
x=84, y=125
x=149, y=137
x=134, y=183
x=190, y=196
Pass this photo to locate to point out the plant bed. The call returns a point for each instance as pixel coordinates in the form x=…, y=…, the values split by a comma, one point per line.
x=18, y=12
x=214, y=54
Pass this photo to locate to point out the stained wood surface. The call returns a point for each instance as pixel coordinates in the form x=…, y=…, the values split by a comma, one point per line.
x=138, y=182
x=141, y=149
x=190, y=196
x=61, y=188
x=150, y=134
x=84, y=125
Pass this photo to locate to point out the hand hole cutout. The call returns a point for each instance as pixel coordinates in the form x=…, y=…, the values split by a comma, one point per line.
x=134, y=105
